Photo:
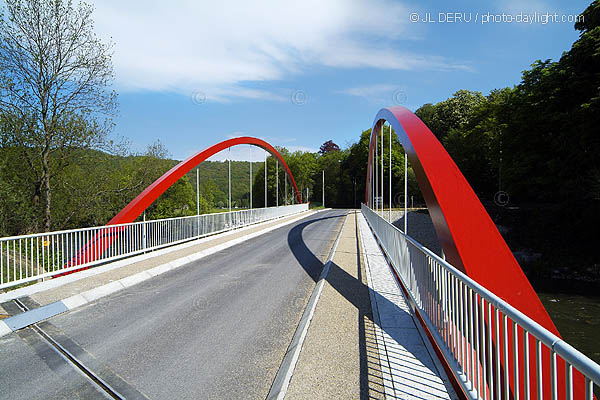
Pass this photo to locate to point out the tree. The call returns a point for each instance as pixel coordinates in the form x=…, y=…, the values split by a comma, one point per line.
x=328, y=147
x=450, y=113
x=54, y=79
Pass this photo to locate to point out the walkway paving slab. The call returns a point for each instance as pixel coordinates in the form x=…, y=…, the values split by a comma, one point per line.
x=410, y=367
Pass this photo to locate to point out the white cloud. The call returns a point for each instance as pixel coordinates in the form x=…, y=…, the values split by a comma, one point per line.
x=218, y=47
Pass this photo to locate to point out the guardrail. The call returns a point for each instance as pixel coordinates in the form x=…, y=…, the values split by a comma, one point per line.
x=496, y=351
x=31, y=257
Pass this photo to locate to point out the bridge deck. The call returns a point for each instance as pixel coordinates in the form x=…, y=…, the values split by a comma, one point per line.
x=362, y=339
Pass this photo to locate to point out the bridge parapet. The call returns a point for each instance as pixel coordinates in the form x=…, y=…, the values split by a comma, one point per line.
x=31, y=257
x=490, y=346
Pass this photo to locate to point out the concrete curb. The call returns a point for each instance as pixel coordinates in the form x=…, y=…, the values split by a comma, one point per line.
x=288, y=364
x=27, y=318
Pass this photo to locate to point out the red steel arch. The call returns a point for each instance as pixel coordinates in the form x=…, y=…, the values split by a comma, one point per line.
x=469, y=237
x=137, y=206
x=467, y=234
x=100, y=242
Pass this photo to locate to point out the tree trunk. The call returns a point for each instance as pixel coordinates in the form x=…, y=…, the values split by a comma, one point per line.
x=46, y=187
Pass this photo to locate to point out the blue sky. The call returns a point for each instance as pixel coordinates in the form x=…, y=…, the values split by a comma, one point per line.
x=192, y=73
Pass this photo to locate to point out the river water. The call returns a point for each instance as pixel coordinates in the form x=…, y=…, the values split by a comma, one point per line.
x=575, y=309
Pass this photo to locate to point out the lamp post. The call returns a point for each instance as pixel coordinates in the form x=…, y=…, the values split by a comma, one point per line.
x=354, y=192
x=229, y=177
x=251, y=177
x=323, y=188
x=405, y=193
x=390, y=201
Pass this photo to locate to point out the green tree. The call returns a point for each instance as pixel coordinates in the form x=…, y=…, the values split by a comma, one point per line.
x=451, y=113
x=54, y=75
x=476, y=146
x=177, y=201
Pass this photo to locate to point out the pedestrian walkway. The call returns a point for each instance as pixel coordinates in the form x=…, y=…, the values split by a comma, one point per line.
x=410, y=367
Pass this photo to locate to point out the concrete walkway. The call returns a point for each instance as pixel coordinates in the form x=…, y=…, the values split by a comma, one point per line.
x=410, y=367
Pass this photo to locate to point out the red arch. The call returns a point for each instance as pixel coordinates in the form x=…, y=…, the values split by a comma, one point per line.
x=137, y=206
x=100, y=242
x=469, y=237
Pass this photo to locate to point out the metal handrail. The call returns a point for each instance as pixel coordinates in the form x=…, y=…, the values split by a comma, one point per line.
x=30, y=257
x=440, y=293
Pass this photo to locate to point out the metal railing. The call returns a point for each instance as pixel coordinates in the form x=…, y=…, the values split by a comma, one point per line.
x=496, y=351
x=31, y=257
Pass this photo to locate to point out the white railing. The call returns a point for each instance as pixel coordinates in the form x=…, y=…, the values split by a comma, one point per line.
x=31, y=257
x=495, y=351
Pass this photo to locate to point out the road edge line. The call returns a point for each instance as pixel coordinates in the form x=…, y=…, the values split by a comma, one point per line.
x=286, y=369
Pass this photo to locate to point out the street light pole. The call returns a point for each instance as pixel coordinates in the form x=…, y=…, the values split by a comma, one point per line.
x=229, y=175
x=354, y=192
x=197, y=201
x=276, y=183
x=382, y=170
x=405, y=193
x=323, y=188
x=251, y=177
x=265, y=180
x=197, y=191
x=285, y=190
x=375, y=167
x=390, y=202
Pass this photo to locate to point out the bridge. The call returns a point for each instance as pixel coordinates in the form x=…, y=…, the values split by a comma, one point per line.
x=285, y=301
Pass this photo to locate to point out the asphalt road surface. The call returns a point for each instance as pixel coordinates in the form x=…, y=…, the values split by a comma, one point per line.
x=216, y=328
